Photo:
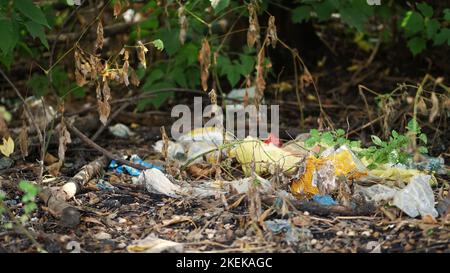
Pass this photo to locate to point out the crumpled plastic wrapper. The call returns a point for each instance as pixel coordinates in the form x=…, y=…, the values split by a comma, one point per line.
x=417, y=197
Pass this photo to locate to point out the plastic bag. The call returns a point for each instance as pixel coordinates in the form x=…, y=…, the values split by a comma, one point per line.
x=417, y=197
x=264, y=157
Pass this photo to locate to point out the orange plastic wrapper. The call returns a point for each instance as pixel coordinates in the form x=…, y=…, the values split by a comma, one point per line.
x=344, y=163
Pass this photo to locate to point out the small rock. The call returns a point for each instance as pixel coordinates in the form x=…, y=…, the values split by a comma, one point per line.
x=102, y=236
x=408, y=247
x=339, y=233
x=121, y=245
x=240, y=233
x=366, y=233
x=313, y=242
x=122, y=220
x=351, y=233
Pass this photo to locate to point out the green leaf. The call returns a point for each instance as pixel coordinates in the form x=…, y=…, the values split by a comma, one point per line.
x=425, y=9
x=323, y=9
x=447, y=14
x=412, y=23
x=247, y=64
x=219, y=5
x=432, y=26
x=301, y=14
x=416, y=45
x=353, y=18
x=327, y=138
x=376, y=140
x=442, y=37
x=30, y=10
x=424, y=138
x=340, y=132
x=155, y=74
x=394, y=134
x=70, y=2
x=314, y=132
x=37, y=30
x=9, y=36
x=38, y=84
x=413, y=126
x=158, y=44
x=423, y=150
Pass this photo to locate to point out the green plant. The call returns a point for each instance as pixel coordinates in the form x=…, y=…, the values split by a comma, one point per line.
x=420, y=23
x=28, y=199
x=18, y=19
x=424, y=25
x=330, y=138
x=396, y=149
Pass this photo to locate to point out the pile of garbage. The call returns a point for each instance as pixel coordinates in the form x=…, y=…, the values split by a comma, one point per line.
x=324, y=176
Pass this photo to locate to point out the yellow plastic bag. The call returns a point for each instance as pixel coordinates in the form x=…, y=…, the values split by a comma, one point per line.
x=264, y=157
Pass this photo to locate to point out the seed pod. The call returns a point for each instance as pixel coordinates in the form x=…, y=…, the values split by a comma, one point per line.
x=204, y=58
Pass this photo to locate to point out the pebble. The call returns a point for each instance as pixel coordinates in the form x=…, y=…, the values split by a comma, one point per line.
x=102, y=236
x=351, y=233
x=122, y=220
x=366, y=233
x=240, y=233
x=121, y=245
x=339, y=233
x=313, y=242
x=306, y=213
x=376, y=234
x=408, y=247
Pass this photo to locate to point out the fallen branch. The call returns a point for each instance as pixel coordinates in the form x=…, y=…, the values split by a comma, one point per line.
x=53, y=198
x=87, y=172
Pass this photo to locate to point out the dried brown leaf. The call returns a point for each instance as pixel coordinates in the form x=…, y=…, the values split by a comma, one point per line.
x=64, y=139
x=134, y=78
x=23, y=141
x=260, y=83
x=50, y=159
x=103, y=97
x=4, y=132
x=100, y=39
x=55, y=168
x=204, y=58
x=117, y=8
x=434, y=112
x=183, y=22
x=253, y=33
x=272, y=32
x=141, y=51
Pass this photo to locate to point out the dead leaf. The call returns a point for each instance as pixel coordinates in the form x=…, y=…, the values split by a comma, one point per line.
x=183, y=22
x=54, y=168
x=201, y=170
x=49, y=158
x=253, y=34
x=134, y=78
x=141, y=51
x=272, y=32
x=260, y=83
x=301, y=220
x=23, y=141
x=8, y=146
x=204, y=58
x=64, y=139
x=103, y=98
x=4, y=132
x=100, y=39
x=429, y=219
x=117, y=9
x=177, y=219
x=434, y=107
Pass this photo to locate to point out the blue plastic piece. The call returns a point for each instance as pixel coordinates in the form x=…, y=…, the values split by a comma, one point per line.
x=325, y=200
x=130, y=170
